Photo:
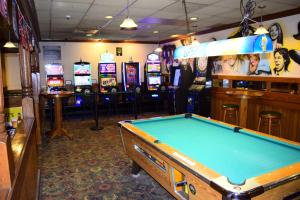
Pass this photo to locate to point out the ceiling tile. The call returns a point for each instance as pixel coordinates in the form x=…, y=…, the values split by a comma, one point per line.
x=119, y=3
x=210, y=13
x=42, y=5
x=178, y=7
x=74, y=1
x=153, y=4
x=67, y=6
x=209, y=10
x=168, y=15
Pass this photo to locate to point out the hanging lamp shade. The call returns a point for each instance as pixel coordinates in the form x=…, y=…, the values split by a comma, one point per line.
x=9, y=44
x=128, y=24
x=261, y=30
x=158, y=49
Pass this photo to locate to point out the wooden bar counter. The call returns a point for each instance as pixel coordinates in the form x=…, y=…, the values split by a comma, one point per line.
x=20, y=179
x=285, y=100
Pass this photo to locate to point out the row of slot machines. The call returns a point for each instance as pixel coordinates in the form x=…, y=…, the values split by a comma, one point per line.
x=107, y=75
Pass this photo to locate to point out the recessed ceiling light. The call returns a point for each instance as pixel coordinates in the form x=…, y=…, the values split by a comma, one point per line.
x=89, y=35
x=193, y=18
x=175, y=35
x=155, y=31
x=68, y=17
x=108, y=17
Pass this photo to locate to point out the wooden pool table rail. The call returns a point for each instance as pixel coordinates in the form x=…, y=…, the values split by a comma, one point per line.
x=199, y=174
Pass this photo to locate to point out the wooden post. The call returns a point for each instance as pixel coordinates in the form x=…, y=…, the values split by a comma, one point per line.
x=26, y=82
x=36, y=92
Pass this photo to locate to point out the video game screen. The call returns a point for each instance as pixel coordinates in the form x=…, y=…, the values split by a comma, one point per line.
x=82, y=69
x=153, y=67
x=55, y=82
x=54, y=69
x=176, y=77
x=107, y=68
x=82, y=80
x=131, y=74
x=108, y=82
x=154, y=80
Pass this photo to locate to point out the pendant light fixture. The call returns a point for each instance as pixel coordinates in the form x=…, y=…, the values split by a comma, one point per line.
x=261, y=29
x=128, y=23
x=158, y=49
x=9, y=44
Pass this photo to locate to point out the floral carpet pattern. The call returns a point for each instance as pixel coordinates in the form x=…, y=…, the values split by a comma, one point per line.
x=93, y=166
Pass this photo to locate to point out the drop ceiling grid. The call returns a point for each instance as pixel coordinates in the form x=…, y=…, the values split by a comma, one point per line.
x=209, y=13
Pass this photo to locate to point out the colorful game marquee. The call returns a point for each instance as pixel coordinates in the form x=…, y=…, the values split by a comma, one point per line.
x=245, y=45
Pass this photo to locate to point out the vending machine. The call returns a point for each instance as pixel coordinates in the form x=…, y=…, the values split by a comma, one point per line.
x=55, y=76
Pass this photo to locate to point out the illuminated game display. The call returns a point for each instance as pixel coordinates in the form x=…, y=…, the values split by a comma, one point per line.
x=107, y=76
x=131, y=75
x=55, y=75
x=153, y=72
x=107, y=73
x=82, y=76
x=107, y=68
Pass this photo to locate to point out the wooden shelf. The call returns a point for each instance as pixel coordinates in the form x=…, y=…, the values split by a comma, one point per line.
x=259, y=78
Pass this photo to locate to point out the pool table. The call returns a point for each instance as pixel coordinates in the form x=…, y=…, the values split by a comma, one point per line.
x=195, y=158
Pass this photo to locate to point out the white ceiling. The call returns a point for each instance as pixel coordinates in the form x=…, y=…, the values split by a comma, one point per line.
x=87, y=15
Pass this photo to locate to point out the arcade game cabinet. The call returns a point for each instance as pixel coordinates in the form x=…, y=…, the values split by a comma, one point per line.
x=173, y=87
x=55, y=77
x=131, y=81
x=153, y=78
x=82, y=82
x=82, y=77
x=200, y=91
x=107, y=77
x=108, y=84
x=131, y=78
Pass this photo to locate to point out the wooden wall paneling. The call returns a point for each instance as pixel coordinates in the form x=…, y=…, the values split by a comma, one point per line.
x=288, y=105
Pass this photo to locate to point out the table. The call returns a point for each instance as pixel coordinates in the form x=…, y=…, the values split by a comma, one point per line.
x=199, y=158
x=244, y=96
x=57, y=96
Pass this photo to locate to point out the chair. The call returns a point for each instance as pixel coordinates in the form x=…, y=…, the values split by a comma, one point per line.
x=231, y=111
x=269, y=118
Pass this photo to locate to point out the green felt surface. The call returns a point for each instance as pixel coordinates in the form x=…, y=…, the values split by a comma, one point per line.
x=238, y=156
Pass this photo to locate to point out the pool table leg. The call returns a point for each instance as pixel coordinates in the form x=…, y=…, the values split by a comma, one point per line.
x=135, y=169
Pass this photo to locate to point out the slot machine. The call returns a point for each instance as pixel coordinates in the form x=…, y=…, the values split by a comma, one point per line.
x=131, y=78
x=55, y=77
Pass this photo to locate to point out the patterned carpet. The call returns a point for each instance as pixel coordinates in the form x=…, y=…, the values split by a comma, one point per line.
x=93, y=166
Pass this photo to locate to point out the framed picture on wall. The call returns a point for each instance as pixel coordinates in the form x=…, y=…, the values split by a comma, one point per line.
x=68, y=82
x=118, y=51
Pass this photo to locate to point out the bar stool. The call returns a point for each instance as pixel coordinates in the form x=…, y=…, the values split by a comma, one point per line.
x=231, y=111
x=269, y=118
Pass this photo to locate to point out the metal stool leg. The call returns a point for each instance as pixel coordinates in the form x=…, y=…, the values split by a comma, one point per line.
x=224, y=116
x=236, y=117
x=279, y=123
x=270, y=125
x=259, y=122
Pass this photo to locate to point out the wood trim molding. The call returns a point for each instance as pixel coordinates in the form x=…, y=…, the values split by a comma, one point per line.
x=103, y=41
